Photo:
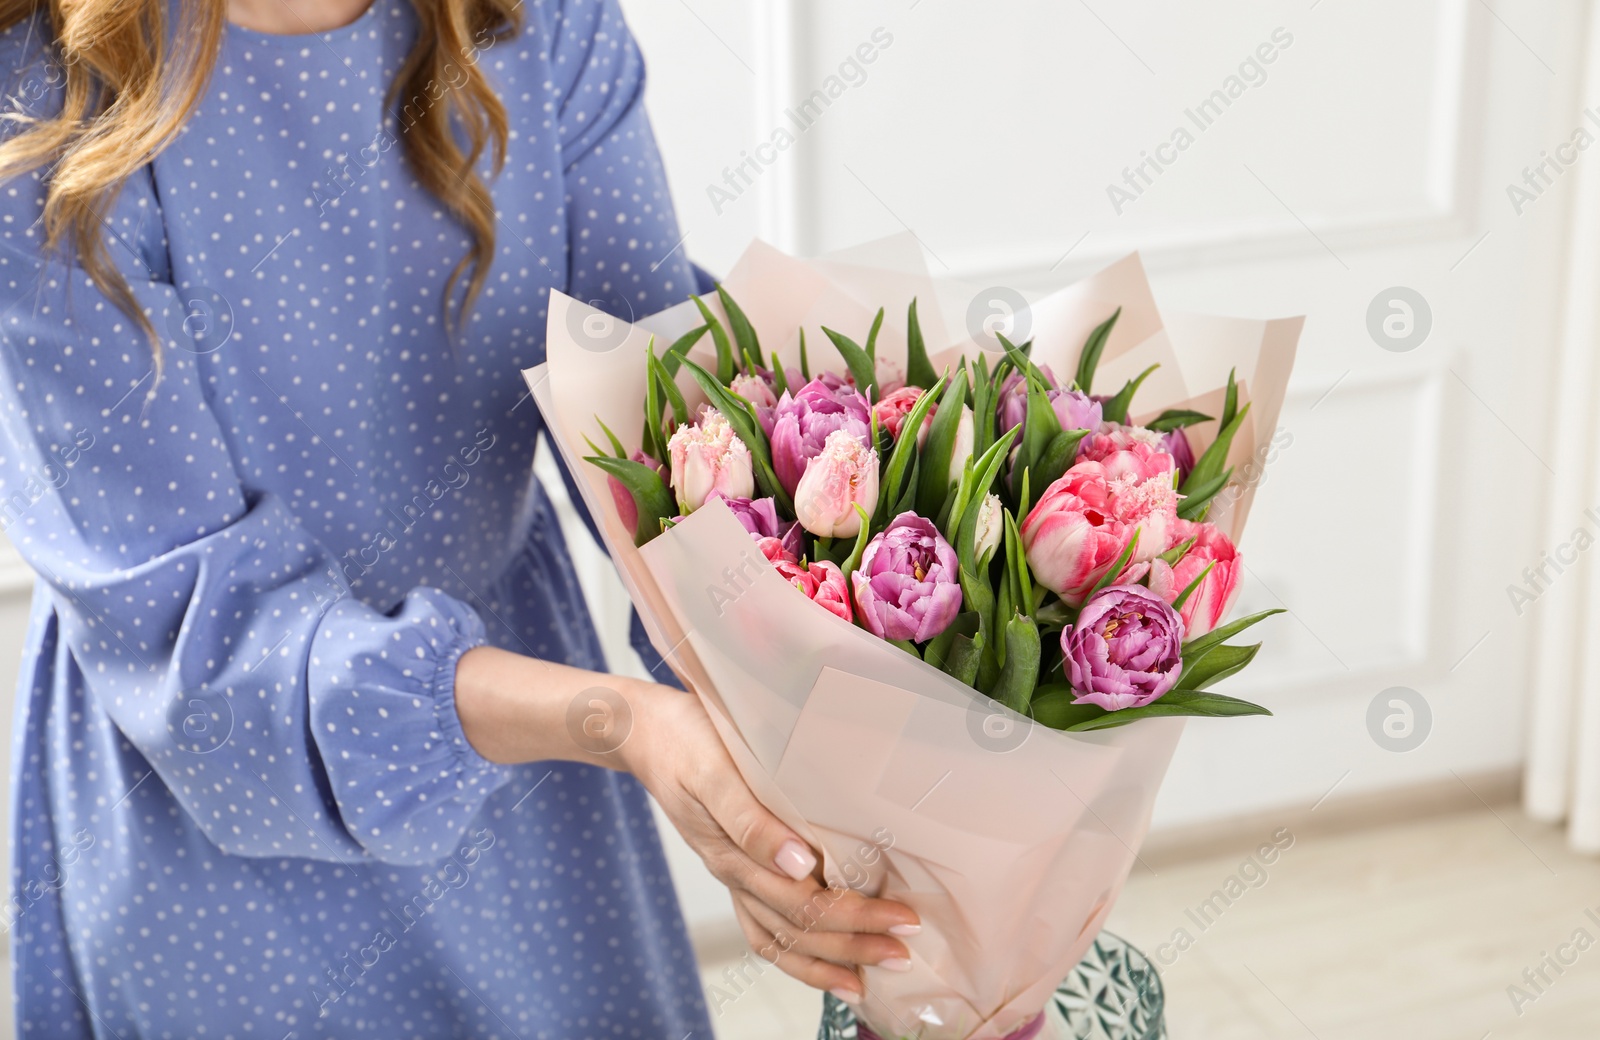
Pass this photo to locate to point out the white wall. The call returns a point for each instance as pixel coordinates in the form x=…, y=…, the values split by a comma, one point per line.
x=1376, y=153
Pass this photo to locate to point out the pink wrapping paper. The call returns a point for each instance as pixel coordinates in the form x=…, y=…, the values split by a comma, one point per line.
x=1010, y=840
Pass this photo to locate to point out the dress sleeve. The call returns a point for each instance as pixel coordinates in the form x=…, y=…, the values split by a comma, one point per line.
x=625, y=252
x=286, y=717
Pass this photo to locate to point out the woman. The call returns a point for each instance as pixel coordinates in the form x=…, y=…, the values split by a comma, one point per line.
x=293, y=753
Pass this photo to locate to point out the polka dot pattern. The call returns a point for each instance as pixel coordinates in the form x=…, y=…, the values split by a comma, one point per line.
x=243, y=803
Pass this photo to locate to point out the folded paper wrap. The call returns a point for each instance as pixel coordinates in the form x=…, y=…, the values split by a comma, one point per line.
x=1009, y=839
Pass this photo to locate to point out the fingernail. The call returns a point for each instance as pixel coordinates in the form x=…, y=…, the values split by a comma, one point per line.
x=795, y=860
x=849, y=996
x=896, y=964
x=906, y=929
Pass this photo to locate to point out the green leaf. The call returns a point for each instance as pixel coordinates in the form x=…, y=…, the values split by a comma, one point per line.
x=1183, y=597
x=780, y=378
x=1020, y=671
x=1089, y=360
x=1018, y=357
x=1195, y=506
x=1216, y=664
x=649, y=493
x=667, y=387
x=1023, y=583
x=725, y=366
x=984, y=471
x=1214, y=459
x=938, y=649
x=890, y=486
x=1176, y=419
x=856, y=360
x=675, y=354
x=1173, y=703
x=1058, y=457
x=907, y=645
x=616, y=445
x=1230, y=401
x=805, y=365
x=1174, y=554
x=1054, y=615
x=964, y=659
x=872, y=336
x=863, y=535
x=1052, y=706
x=933, y=479
x=744, y=334
x=748, y=430
x=1116, y=408
x=919, y=370
x=654, y=443
x=1200, y=644
x=983, y=411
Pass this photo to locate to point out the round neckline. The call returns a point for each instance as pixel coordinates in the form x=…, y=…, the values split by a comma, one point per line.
x=363, y=21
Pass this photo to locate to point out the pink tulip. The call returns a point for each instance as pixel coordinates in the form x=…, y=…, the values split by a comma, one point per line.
x=842, y=476
x=754, y=389
x=775, y=551
x=1114, y=437
x=1085, y=519
x=822, y=582
x=891, y=410
x=708, y=457
x=1210, y=602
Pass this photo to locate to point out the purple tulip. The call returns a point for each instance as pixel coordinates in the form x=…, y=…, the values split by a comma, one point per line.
x=760, y=517
x=1074, y=410
x=1126, y=649
x=801, y=424
x=1176, y=443
x=908, y=584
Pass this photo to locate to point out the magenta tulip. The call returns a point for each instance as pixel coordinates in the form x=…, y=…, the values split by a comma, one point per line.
x=908, y=584
x=1125, y=650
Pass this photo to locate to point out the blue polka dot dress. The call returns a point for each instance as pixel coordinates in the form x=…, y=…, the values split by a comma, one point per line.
x=242, y=802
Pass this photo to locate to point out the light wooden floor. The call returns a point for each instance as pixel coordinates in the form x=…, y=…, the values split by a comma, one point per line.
x=1412, y=931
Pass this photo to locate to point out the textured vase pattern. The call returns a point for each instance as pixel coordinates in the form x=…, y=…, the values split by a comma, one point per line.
x=1113, y=994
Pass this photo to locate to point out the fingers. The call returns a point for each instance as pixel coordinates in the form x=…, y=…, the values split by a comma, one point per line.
x=819, y=974
x=761, y=835
x=735, y=843
x=844, y=948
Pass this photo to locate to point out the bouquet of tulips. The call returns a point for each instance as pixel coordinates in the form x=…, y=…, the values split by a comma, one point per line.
x=921, y=586
x=1025, y=537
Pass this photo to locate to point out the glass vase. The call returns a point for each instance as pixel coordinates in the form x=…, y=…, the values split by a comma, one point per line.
x=1113, y=994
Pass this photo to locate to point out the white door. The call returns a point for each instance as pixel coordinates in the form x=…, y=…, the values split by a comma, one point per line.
x=1401, y=173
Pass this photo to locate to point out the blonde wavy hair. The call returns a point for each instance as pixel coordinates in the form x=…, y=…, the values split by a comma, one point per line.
x=131, y=81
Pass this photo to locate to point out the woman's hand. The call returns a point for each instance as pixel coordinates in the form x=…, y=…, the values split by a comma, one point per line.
x=518, y=709
x=812, y=932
